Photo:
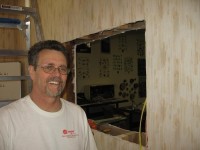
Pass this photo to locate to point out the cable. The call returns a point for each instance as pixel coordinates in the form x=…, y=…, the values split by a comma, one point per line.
x=140, y=136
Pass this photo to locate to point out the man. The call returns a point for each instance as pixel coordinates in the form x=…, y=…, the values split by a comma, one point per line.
x=42, y=120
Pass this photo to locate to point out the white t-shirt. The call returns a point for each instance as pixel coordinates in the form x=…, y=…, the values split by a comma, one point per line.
x=24, y=126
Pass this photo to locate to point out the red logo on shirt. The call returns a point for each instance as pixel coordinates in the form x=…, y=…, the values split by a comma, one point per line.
x=64, y=131
x=69, y=133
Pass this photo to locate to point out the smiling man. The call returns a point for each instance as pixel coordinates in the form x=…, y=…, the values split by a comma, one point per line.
x=42, y=120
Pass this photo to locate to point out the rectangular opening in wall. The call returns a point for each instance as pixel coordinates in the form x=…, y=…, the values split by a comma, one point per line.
x=115, y=58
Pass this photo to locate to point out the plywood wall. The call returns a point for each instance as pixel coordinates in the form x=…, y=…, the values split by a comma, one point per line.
x=172, y=46
x=173, y=74
x=172, y=56
x=67, y=20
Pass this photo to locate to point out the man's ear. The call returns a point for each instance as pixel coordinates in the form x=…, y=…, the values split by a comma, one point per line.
x=31, y=71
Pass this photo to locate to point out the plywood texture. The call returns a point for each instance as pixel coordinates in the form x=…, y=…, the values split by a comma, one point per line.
x=109, y=142
x=173, y=74
x=172, y=47
x=66, y=20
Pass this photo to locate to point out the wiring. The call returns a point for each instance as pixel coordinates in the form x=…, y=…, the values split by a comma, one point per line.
x=140, y=135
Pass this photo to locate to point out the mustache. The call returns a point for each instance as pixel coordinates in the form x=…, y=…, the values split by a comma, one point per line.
x=56, y=79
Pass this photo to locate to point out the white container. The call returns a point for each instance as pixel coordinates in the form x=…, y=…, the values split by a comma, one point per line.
x=10, y=90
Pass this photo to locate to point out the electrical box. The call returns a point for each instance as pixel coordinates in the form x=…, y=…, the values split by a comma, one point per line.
x=94, y=92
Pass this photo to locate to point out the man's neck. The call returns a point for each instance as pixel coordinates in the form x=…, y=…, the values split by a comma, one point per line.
x=47, y=103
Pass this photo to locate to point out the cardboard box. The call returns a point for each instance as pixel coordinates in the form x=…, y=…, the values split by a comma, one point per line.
x=10, y=90
x=134, y=137
x=121, y=142
x=110, y=137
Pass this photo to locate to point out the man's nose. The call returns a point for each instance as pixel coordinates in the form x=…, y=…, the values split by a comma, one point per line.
x=57, y=71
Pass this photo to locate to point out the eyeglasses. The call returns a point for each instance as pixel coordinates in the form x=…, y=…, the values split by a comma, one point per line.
x=51, y=69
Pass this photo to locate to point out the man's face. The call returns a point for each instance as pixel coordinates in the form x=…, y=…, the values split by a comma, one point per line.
x=49, y=84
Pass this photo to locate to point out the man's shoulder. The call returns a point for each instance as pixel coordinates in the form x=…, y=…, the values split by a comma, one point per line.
x=66, y=102
x=13, y=106
x=71, y=105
